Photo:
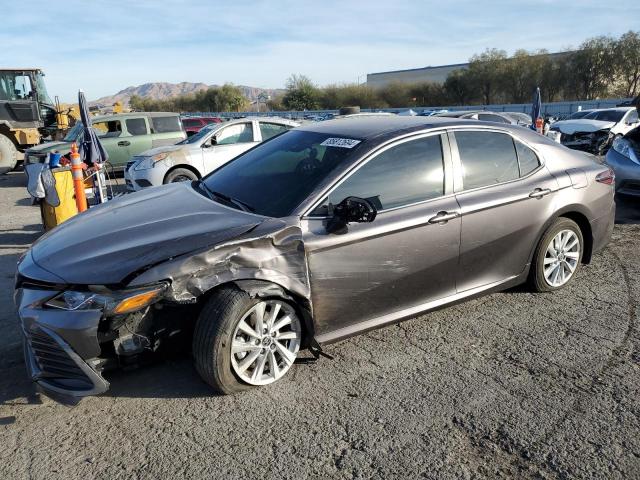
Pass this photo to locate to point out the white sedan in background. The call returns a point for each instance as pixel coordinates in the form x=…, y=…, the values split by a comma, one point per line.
x=201, y=153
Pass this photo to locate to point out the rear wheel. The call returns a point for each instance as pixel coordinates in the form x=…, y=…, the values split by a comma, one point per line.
x=557, y=256
x=180, y=175
x=8, y=155
x=241, y=341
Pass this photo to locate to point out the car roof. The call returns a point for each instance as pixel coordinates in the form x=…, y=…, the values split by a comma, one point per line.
x=367, y=127
x=273, y=119
x=119, y=116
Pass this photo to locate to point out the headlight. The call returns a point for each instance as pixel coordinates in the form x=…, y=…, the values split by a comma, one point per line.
x=150, y=162
x=110, y=302
x=622, y=146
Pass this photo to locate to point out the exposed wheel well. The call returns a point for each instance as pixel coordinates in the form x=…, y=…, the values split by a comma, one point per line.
x=266, y=289
x=585, y=228
x=185, y=167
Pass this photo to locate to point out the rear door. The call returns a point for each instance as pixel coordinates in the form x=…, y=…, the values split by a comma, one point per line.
x=506, y=196
x=230, y=141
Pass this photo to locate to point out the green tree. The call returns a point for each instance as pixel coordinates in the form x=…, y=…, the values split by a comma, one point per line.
x=486, y=71
x=591, y=67
x=627, y=63
x=301, y=94
x=459, y=88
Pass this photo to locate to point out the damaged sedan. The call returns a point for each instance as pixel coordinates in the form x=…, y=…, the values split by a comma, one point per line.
x=596, y=131
x=316, y=235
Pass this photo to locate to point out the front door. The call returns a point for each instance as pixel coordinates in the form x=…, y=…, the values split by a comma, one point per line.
x=506, y=196
x=230, y=142
x=404, y=258
x=114, y=140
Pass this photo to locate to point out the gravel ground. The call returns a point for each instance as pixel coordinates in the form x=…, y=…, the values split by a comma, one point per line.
x=510, y=385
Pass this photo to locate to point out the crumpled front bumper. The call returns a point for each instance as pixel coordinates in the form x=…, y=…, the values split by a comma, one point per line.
x=59, y=344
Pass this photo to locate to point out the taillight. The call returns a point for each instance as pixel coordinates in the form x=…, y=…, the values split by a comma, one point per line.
x=608, y=177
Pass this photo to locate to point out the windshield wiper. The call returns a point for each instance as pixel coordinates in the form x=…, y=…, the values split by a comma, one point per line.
x=238, y=203
x=225, y=198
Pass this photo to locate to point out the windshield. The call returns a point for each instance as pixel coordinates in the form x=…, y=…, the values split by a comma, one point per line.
x=74, y=133
x=202, y=133
x=276, y=176
x=580, y=114
x=41, y=88
x=16, y=86
x=607, y=115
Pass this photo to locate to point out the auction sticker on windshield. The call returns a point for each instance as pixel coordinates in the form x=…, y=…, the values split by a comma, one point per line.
x=340, y=142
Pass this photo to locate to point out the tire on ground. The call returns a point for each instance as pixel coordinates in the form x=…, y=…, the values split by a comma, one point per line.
x=180, y=175
x=213, y=335
x=536, y=278
x=8, y=155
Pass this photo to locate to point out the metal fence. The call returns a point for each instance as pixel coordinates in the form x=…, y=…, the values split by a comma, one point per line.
x=554, y=109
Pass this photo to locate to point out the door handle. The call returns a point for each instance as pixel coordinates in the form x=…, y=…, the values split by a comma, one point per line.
x=443, y=217
x=540, y=192
x=124, y=143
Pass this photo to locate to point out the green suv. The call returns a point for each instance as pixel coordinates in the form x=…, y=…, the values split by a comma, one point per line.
x=122, y=135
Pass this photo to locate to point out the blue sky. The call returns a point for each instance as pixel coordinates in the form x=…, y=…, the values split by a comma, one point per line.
x=104, y=46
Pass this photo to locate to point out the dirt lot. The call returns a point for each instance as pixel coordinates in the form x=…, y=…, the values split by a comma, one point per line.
x=513, y=384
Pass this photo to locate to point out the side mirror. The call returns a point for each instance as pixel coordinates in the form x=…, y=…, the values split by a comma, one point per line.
x=351, y=210
x=210, y=143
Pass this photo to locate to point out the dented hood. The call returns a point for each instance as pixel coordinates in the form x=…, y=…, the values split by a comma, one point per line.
x=582, y=125
x=110, y=242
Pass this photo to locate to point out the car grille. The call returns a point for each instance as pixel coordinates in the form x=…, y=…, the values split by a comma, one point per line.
x=54, y=362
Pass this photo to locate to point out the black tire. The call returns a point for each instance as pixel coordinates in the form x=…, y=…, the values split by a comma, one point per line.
x=8, y=155
x=537, y=279
x=180, y=175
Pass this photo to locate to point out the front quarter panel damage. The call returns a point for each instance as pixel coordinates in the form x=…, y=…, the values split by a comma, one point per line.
x=273, y=252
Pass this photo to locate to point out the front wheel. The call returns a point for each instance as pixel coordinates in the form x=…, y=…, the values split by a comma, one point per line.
x=241, y=341
x=558, y=256
x=180, y=175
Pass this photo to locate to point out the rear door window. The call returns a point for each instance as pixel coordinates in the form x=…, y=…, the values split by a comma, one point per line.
x=136, y=126
x=166, y=124
x=268, y=130
x=527, y=159
x=487, y=158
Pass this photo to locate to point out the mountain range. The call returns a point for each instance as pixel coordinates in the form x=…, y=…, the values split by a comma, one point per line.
x=163, y=90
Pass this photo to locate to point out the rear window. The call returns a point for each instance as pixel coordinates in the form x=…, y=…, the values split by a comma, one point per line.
x=166, y=124
x=489, y=117
x=607, y=115
x=191, y=123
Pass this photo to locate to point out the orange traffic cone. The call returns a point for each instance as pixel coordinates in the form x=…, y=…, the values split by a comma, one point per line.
x=78, y=178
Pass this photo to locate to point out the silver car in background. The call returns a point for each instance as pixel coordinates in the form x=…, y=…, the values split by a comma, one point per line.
x=193, y=158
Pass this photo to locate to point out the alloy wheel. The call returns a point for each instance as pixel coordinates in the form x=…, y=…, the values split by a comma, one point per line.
x=265, y=342
x=561, y=258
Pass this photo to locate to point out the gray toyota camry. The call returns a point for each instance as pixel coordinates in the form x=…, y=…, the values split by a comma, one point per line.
x=316, y=235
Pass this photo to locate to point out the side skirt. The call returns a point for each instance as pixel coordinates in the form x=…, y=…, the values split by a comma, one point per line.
x=407, y=313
